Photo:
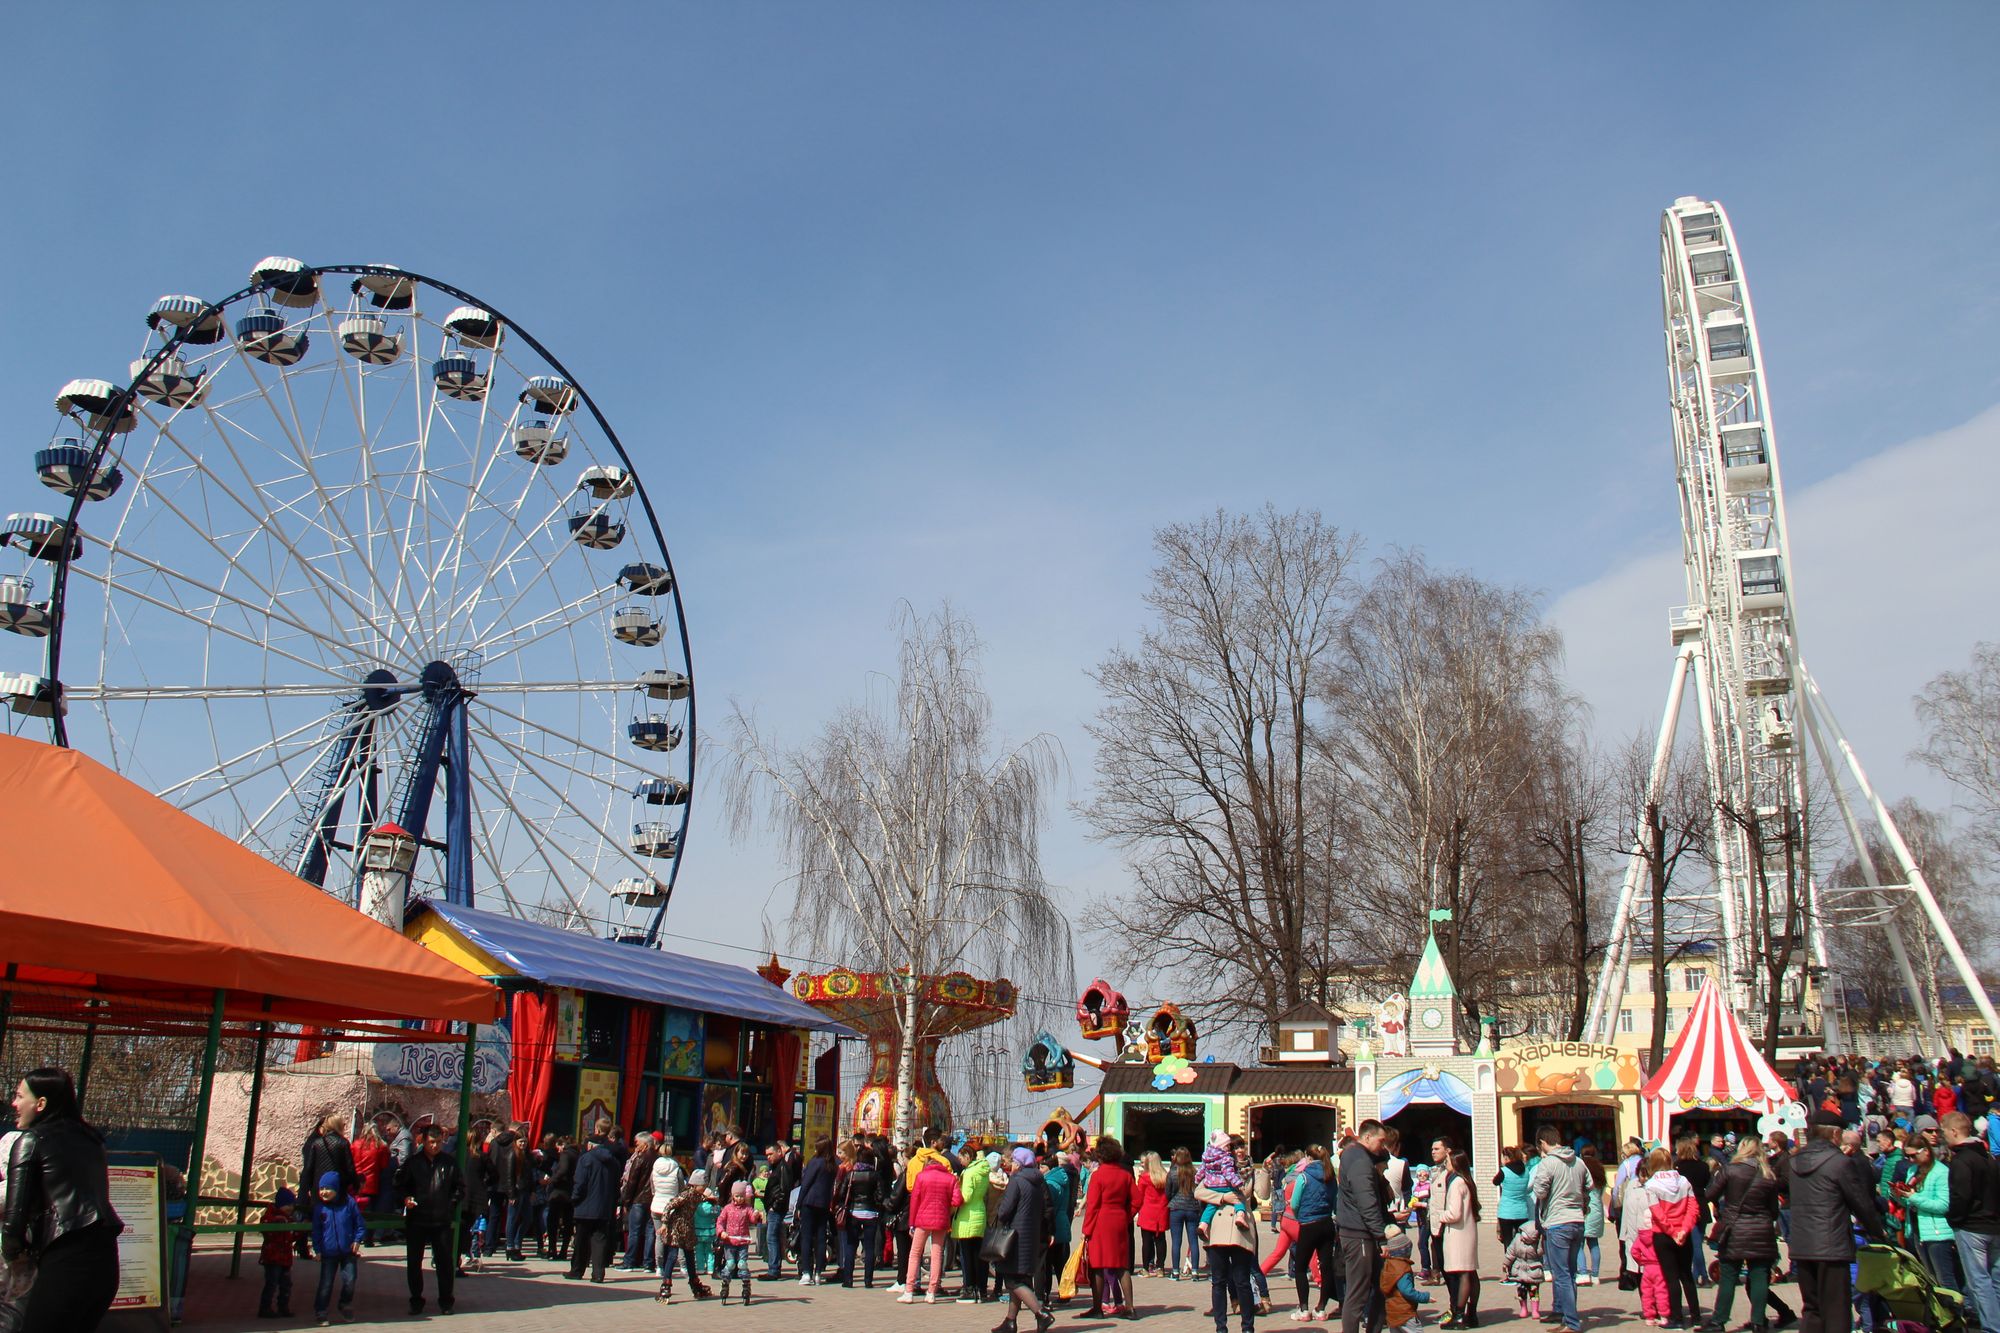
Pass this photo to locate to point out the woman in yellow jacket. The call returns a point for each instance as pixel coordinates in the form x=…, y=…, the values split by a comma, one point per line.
x=968, y=1224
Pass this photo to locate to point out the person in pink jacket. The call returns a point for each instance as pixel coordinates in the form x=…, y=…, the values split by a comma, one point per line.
x=933, y=1196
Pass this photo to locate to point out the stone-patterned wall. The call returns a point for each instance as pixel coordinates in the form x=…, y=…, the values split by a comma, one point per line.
x=294, y=1100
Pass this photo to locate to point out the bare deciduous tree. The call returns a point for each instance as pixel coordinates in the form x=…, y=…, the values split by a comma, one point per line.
x=915, y=837
x=1447, y=689
x=1562, y=837
x=1208, y=772
x=1960, y=711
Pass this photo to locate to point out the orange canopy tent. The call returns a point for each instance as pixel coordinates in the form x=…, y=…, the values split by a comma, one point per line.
x=106, y=887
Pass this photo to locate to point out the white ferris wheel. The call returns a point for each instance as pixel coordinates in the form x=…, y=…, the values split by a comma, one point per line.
x=1760, y=712
x=350, y=548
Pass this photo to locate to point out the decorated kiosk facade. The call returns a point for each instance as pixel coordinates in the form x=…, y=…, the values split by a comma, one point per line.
x=1423, y=1079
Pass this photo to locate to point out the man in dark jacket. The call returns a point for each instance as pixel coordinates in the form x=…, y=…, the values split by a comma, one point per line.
x=1973, y=1209
x=777, y=1200
x=1827, y=1191
x=593, y=1203
x=432, y=1190
x=1361, y=1212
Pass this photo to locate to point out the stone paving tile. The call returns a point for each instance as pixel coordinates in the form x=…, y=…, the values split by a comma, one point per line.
x=532, y=1297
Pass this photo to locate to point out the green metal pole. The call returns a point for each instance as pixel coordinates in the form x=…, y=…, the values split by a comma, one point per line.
x=464, y=1127
x=208, y=1054
x=250, y=1143
x=83, y=1061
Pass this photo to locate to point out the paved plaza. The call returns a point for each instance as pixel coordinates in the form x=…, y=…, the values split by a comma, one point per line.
x=531, y=1297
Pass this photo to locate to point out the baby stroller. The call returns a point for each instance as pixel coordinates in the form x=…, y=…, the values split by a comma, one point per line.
x=1895, y=1277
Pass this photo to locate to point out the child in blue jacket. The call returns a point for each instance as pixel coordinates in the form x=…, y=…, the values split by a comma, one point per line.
x=336, y=1236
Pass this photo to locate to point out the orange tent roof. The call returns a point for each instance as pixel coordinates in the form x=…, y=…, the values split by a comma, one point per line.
x=103, y=884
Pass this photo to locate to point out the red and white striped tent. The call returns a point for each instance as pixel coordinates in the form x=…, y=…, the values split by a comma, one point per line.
x=1712, y=1067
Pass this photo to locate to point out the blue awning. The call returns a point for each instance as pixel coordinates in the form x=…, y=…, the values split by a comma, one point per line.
x=583, y=962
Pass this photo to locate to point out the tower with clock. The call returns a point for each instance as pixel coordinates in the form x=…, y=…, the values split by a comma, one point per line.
x=1433, y=1004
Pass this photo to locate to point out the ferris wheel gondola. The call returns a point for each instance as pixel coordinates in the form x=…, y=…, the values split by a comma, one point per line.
x=333, y=578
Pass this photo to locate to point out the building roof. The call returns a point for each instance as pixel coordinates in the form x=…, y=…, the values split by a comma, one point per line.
x=1216, y=1079
x=557, y=957
x=1433, y=979
x=1305, y=1011
x=110, y=888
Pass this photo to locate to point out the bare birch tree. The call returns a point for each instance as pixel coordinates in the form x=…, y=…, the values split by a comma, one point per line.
x=913, y=834
x=1208, y=773
x=1446, y=688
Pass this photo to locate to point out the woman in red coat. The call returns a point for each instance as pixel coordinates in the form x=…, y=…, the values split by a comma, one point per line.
x=1107, y=1229
x=1149, y=1209
x=371, y=1162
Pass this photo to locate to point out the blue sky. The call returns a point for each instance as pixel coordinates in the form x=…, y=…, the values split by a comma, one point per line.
x=917, y=301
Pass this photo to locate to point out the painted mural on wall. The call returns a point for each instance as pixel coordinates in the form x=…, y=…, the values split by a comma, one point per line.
x=1558, y=1068
x=680, y=1043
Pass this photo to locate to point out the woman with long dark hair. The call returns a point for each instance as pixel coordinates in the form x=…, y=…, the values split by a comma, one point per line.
x=58, y=1208
x=1455, y=1222
x=1312, y=1205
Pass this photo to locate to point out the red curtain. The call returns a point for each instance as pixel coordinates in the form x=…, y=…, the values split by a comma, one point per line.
x=784, y=1081
x=638, y=1039
x=533, y=1063
x=310, y=1046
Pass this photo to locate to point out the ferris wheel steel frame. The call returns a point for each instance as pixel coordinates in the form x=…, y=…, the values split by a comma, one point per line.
x=448, y=722
x=1737, y=641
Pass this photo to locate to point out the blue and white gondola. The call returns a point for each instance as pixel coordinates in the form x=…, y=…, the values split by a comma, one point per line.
x=20, y=613
x=43, y=536
x=640, y=891
x=458, y=376
x=605, y=482
x=287, y=282
x=596, y=529
x=192, y=318
x=368, y=340
x=655, y=732
x=262, y=336
x=98, y=404
x=665, y=683
x=654, y=839
x=646, y=580
x=661, y=791
x=549, y=394
x=474, y=327
x=169, y=383
x=539, y=441
x=387, y=291
x=65, y=466
x=637, y=626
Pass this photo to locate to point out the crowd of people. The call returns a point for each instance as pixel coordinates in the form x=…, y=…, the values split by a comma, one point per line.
x=1366, y=1227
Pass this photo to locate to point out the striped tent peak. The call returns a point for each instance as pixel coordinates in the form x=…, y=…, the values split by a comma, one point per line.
x=1712, y=1060
x=1433, y=980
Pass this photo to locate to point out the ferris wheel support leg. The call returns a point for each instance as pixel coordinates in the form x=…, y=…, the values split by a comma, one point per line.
x=1897, y=951
x=1918, y=884
x=1726, y=900
x=1618, y=947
